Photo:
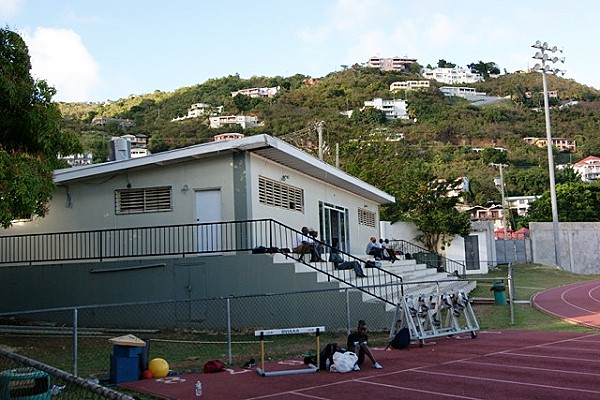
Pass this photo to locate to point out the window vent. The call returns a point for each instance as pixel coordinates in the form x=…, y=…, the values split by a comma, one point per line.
x=277, y=194
x=143, y=200
x=366, y=217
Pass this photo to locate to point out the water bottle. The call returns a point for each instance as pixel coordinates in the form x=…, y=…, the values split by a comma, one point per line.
x=198, y=387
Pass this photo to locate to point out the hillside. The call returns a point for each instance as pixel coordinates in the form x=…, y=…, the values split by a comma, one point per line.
x=445, y=131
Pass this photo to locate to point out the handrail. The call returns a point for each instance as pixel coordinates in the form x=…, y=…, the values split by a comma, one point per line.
x=432, y=260
x=186, y=240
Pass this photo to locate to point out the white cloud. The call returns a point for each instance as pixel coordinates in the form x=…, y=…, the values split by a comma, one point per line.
x=9, y=8
x=59, y=57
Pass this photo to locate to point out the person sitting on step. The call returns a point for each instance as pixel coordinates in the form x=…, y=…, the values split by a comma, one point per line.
x=374, y=249
x=304, y=244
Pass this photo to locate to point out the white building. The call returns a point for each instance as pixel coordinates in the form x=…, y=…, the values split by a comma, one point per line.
x=393, y=109
x=258, y=92
x=409, y=85
x=245, y=121
x=390, y=64
x=79, y=159
x=452, y=76
x=250, y=178
x=520, y=203
x=588, y=168
x=461, y=91
x=199, y=110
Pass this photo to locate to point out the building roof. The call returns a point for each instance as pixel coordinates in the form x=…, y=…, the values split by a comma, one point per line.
x=263, y=145
x=588, y=160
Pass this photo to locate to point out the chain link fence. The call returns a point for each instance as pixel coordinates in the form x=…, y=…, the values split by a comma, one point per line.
x=76, y=339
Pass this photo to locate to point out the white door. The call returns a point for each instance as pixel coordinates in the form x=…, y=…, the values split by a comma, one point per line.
x=208, y=210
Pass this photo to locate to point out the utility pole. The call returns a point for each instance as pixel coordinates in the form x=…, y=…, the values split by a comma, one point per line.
x=320, y=132
x=501, y=189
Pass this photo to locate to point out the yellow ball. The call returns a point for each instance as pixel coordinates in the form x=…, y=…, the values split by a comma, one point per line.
x=159, y=367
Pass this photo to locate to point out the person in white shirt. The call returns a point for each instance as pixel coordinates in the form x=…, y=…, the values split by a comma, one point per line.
x=305, y=244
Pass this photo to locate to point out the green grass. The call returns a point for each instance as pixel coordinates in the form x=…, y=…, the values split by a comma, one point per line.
x=528, y=279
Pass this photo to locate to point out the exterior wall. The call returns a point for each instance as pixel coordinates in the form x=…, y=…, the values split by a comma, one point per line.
x=398, y=231
x=314, y=191
x=183, y=279
x=578, y=242
x=90, y=204
x=456, y=250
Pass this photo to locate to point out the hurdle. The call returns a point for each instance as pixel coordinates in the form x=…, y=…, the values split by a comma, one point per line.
x=288, y=331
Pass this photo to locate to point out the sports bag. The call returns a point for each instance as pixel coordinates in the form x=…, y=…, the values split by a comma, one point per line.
x=214, y=366
x=401, y=340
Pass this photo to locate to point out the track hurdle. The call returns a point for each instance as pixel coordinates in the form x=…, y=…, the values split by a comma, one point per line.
x=288, y=331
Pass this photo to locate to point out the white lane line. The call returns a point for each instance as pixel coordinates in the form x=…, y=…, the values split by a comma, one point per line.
x=470, y=377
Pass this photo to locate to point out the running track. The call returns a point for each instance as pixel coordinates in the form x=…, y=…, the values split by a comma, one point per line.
x=578, y=303
x=512, y=364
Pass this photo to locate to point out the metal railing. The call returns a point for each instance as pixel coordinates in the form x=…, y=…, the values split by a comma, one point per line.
x=187, y=240
x=432, y=260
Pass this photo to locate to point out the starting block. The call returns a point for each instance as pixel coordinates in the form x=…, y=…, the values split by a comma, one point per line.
x=288, y=331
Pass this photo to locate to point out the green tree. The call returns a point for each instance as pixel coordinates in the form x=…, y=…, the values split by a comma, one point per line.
x=30, y=135
x=489, y=155
x=485, y=69
x=576, y=202
x=427, y=201
x=445, y=64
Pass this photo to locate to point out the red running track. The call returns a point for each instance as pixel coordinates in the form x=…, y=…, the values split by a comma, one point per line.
x=496, y=365
x=578, y=303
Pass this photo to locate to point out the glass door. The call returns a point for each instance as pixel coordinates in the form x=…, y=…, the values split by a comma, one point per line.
x=334, y=224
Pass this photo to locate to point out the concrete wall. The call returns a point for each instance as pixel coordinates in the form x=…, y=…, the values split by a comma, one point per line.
x=578, y=243
x=183, y=282
x=456, y=250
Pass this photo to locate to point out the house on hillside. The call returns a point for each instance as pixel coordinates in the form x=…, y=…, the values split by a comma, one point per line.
x=393, y=109
x=562, y=144
x=452, y=76
x=588, y=168
x=247, y=178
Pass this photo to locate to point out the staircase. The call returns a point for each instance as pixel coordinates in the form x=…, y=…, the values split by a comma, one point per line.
x=388, y=284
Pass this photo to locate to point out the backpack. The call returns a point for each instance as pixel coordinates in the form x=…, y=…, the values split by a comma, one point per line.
x=401, y=340
x=214, y=366
x=327, y=354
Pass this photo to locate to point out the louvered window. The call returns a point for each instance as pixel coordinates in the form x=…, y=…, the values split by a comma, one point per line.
x=277, y=194
x=143, y=200
x=366, y=217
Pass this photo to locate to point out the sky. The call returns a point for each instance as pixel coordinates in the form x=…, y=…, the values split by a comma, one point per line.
x=106, y=50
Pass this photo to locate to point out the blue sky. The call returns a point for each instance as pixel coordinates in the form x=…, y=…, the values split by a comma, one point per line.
x=106, y=50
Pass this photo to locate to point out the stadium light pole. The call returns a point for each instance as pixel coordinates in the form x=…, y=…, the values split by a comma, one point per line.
x=544, y=66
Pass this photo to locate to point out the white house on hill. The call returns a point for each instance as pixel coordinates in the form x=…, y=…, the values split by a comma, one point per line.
x=249, y=178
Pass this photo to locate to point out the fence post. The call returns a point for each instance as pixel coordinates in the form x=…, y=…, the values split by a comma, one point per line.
x=229, y=355
x=347, y=310
x=75, y=342
x=511, y=294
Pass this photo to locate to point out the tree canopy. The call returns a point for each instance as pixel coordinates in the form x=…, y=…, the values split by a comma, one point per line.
x=30, y=135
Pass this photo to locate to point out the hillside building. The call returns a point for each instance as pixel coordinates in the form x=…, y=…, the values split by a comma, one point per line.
x=452, y=76
x=199, y=110
x=562, y=144
x=258, y=92
x=393, y=109
x=245, y=121
x=409, y=85
x=390, y=64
